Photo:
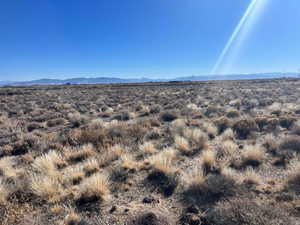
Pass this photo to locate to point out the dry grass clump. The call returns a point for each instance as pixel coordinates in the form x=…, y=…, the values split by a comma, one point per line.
x=247, y=212
x=72, y=219
x=296, y=128
x=223, y=123
x=49, y=163
x=197, y=138
x=250, y=177
x=80, y=154
x=210, y=129
x=252, y=155
x=292, y=181
x=228, y=134
x=148, y=147
x=92, y=189
x=208, y=159
x=226, y=149
x=4, y=191
x=48, y=188
x=77, y=119
x=90, y=166
x=111, y=154
x=128, y=162
x=290, y=143
x=73, y=175
x=214, y=188
x=271, y=143
x=163, y=175
x=182, y=144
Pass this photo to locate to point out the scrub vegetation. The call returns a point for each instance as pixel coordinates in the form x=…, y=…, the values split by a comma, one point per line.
x=187, y=153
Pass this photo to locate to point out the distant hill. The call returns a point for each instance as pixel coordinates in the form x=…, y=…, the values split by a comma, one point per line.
x=107, y=80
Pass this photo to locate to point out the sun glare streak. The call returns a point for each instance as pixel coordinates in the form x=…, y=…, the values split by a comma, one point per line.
x=239, y=35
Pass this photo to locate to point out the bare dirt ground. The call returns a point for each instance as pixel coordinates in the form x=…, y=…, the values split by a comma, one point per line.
x=187, y=153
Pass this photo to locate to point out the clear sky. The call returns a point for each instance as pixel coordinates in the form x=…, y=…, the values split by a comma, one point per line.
x=135, y=38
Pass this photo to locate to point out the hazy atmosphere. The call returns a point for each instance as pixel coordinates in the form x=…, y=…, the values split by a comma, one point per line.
x=149, y=38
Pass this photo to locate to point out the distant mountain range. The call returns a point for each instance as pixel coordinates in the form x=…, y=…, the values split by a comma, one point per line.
x=107, y=80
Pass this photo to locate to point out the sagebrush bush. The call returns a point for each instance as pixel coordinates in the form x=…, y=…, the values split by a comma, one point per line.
x=290, y=143
x=168, y=116
x=244, y=127
x=247, y=212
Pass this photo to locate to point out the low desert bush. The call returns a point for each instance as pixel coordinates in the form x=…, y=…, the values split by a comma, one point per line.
x=250, y=177
x=77, y=119
x=93, y=189
x=198, y=139
x=232, y=113
x=208, y=161
x=163, y=176
x=34, y=126
x=290, y=143
x=226, y=149
x=271, y=143
x=287, y=122
x=213, y=188
x=168, y=116
x=222, y=123
x=80, y=154
x=244, y=127
x=4, y=191
x=56, y=122
x=148, y=148
x=48, y=188
x=182, y=144
x=247, y=212
x=150, y=217
x=252, y=155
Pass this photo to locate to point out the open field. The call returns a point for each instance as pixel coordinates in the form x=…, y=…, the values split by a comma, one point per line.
x=187, y=153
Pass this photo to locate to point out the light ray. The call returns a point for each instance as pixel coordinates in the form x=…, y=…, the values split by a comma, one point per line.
x=239, y=35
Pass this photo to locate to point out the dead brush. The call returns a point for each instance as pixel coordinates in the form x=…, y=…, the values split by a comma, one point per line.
x=227, y=149
x=48, y=188
x=197, y=138
x=246, y=211
x=182, y=144
x=253, y=155
x=80, y=154
x=110, y=154
x=93, y=189
x=73, y=175
x=210, y=129
x=292, y=181
x=271, y=144
x=90, y=166
x=48, y=164
x=213, y=188
x=208, y=160
x=4, y=191
x=250, y=177
x=148, y=148
x=163, y=176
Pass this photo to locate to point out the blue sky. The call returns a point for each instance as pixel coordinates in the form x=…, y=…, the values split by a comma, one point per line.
x=141, y=38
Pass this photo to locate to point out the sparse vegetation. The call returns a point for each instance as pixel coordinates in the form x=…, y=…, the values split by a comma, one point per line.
x=221, y=152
